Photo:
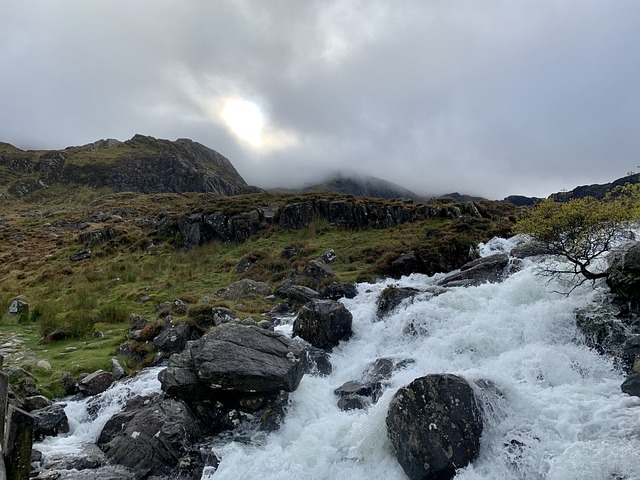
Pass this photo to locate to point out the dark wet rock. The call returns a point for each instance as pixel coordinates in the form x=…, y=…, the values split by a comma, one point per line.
x=631, y=386
x=624, y=274
x=319, y=361
x=391, y=297
x=96, y=382
x=50, y=421
x=483, y=270
x=338, y=290
x=434, y=426
x=247, y=288
x=406, y=264
x=367, y=390
x=323, y=323
x=154, y=436
x=611, y=331
x=36, y=402
x=235, y=358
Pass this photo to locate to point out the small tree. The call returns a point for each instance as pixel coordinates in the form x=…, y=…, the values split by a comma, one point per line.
x=581, y=230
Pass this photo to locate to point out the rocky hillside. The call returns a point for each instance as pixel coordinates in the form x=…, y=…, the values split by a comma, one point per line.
x=142, y=164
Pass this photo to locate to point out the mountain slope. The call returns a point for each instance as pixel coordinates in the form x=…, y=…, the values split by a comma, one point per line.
x=361, y=186
x=142, y=164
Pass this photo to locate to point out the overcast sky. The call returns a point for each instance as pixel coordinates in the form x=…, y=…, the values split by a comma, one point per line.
x=488, y=97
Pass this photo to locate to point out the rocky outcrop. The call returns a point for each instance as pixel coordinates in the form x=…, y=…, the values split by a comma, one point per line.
x=323, y=323
x=434, y=426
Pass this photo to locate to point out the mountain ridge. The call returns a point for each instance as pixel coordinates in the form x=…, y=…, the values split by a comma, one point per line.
x=142, y=164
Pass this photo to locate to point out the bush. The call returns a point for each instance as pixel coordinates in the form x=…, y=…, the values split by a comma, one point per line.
x=112, y=314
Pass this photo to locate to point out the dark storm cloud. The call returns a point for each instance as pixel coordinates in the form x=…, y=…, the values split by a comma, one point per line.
x=493, y=98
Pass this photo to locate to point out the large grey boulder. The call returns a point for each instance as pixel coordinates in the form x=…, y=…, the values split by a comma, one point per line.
x=96, y=382
x=238, y=358
x=489, y=269
x=154, y=436
x=247, y=288
x=434, y=426
x=323, y=323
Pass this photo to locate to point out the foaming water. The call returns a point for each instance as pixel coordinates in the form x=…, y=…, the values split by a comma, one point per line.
x=84, y=429
x=556, y=411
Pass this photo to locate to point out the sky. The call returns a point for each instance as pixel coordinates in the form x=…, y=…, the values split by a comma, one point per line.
x=483, y=97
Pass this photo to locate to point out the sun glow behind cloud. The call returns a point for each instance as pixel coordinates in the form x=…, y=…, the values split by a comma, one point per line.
x=245, y=120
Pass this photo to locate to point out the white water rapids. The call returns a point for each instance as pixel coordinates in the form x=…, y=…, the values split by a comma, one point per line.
x=561, y=415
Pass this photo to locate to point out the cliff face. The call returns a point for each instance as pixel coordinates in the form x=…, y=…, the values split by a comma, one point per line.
x=142, y=164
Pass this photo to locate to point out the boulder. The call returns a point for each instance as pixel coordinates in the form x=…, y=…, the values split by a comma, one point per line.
x=49, y=421
x=298, y=293
x=318, y=272
x=154, y=436
x=247, y=288
x=69, y=383
x=406, y=264
x=631, y=385
x=624, y=274
x=36, y=403
x=19, y=306
x=238, y=358
x=483, y=270
x=338, y=290
x=172, y=338
x=434, y=426
x=391, y=297
x=117, y=370
x=368, y=389
x=96, y=382
x=323, y=323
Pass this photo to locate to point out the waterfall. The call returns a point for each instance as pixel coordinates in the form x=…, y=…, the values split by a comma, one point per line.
x=558, y=412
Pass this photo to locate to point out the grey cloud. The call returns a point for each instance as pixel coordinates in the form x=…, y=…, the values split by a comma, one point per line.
x=491, y=98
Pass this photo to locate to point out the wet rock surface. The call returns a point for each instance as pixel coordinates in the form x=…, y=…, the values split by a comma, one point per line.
x=323, y=323
x=434, y=426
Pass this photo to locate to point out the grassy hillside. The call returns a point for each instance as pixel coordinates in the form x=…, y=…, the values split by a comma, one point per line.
x=135, y=265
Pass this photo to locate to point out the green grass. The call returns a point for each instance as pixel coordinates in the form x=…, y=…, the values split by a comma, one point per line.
x=140, y=268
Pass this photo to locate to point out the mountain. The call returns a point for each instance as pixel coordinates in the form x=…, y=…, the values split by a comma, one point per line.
x=595, y=190
x=361, y=186
x=142, y=164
